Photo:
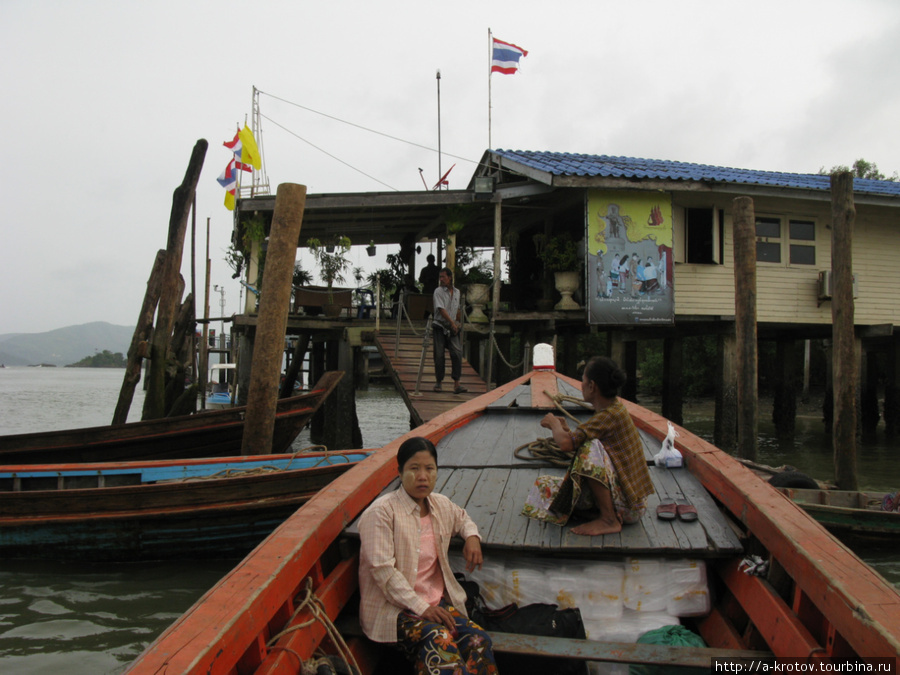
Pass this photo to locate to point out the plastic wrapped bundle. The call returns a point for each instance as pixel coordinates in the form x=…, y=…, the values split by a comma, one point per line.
x=688, y=592
x=646, y=585
x=601, y=591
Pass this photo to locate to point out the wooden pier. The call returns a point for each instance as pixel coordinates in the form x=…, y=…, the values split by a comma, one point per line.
x=403, y=357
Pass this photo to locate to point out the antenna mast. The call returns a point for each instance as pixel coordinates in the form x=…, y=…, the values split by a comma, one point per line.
x=260, y=185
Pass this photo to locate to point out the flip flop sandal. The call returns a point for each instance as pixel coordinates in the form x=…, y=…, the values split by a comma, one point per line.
x=666, y=509
x=686, y=512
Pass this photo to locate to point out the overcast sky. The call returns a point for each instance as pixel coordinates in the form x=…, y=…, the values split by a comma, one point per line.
x=103, y=102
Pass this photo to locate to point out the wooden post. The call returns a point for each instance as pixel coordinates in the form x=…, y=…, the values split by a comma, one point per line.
x=204, y=340
x=274, y=303
x=139, y=348
x=725, y=424
x=846, y=362
x=784, y=404
x=673, y=386
x=744, y=220
x=172, y=285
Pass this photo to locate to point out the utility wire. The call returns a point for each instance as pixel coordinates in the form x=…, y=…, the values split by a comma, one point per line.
x=373, y=131
x=337, y=159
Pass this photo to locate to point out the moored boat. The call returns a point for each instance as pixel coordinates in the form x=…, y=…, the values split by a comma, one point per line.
x=157, y=510
x=215, y=433
x=853, y=515
x=778, y=583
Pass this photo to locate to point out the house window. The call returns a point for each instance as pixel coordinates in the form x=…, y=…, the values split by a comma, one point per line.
x=773, y=233
x=802, y=242
x=768, y=240
x=703, y=236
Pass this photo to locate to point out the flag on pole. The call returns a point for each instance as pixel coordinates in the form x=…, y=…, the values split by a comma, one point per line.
x=505, y=57
x=228, y=180
x=249, y=151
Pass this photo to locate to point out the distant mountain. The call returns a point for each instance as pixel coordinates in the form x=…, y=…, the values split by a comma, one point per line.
x=64, y=345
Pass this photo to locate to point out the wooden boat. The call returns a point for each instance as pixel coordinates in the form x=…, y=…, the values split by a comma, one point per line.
x=215, y=433
x=816, y=599
x=852, y=515
x=857, y=517
x=156, y=510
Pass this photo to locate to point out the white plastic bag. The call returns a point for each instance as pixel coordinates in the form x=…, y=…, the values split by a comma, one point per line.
x=668, y=454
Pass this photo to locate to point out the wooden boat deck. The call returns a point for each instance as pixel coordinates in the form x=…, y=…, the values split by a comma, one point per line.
x=403, y=365
x=479, y=471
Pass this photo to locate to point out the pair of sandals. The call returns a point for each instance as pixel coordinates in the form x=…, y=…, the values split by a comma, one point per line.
x=670, y=509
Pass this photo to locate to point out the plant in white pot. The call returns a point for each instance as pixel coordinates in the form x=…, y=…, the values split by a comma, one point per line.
x=332, y=266
x=559, y=254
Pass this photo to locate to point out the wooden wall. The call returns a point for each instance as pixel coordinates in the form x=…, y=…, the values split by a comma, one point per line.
x=788, y=293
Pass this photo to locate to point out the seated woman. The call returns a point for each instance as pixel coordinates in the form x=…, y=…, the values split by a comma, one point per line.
x=608, y=471
x=408, y=593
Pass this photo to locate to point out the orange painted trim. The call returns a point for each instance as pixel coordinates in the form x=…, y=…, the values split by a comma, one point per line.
x=212, y=635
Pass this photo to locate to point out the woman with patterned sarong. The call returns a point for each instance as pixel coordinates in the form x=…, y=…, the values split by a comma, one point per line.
x=608, y=472
x=408, y=594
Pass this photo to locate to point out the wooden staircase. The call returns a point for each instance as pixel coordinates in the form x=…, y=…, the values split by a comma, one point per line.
x=403, y=365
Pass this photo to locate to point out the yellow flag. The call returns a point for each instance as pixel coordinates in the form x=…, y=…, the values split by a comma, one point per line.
x=229, y=200
x=249, y=150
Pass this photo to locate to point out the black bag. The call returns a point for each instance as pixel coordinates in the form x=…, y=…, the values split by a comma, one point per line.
x=536, y=619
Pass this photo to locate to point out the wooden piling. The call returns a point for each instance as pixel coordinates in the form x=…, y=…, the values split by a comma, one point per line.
x=745, y=326
x=725, y=424
x=274, y=304
x=846, y=361
x=172, y=285
x=139, y=349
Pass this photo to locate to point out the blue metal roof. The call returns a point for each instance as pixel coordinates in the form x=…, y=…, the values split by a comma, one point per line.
x=568, y=164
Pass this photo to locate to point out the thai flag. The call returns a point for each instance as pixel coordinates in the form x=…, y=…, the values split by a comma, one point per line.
x=506, y=57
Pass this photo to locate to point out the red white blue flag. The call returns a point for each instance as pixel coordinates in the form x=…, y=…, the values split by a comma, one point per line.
x=505, y=57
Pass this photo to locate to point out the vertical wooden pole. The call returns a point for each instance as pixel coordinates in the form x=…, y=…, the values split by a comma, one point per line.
x=139, y=346
x=274, y=304
x=204, y=340
x=745, y=326
x=846, y=361
x=784, y=405
x=673, y=387
x=172, y=285
x=725, y=424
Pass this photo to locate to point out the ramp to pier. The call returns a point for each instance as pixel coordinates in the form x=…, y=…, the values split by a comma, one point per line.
x=402, y=359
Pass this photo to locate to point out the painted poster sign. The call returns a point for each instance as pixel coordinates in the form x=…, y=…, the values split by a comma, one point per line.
x=629, y=258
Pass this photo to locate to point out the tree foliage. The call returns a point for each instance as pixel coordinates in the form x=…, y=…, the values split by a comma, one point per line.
x=860, y=169
x=104, y=359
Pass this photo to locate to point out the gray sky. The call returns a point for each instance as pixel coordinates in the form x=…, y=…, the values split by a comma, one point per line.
x=103, y=102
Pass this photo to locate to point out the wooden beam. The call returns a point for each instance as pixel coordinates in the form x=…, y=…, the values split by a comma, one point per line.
x=274, y=303
x=745, y=326
x=846, y=360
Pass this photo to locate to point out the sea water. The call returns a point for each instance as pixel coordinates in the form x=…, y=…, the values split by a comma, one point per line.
x=58, y=617
x=82, y=618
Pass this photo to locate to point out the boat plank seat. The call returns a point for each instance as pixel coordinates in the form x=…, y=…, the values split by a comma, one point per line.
x=480, y=472
x=590, y=650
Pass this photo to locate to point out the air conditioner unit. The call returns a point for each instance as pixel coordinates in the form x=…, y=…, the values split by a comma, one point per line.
x=826, y=285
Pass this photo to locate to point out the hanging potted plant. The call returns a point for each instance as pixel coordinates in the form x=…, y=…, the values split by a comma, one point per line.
x=559, y=253
x=331, y=267
x=370, y=249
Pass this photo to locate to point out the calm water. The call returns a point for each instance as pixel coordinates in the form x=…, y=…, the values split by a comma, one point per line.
x=79, y=618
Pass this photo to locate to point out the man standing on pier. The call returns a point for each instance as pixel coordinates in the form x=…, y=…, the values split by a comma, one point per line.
x=446, y=329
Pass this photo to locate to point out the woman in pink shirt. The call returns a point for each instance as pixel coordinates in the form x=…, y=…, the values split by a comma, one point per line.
x=409, y=596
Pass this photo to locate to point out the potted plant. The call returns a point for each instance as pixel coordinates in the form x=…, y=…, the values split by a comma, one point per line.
x=477, y=279
x=370, y=249
x=559, y=253
x=331, y=267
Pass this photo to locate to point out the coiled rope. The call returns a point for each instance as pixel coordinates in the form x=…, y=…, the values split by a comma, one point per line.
x=545, y=449
x=312, y=603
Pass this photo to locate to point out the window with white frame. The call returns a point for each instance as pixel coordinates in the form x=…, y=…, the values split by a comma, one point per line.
x=777, y=236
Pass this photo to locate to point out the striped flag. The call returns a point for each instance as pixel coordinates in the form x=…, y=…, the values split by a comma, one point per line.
x=505, y=57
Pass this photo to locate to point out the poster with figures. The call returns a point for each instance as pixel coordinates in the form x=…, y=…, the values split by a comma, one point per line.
x=629, y=258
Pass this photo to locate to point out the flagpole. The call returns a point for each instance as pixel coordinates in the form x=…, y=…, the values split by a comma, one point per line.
x=440, y=171
x=490, y=54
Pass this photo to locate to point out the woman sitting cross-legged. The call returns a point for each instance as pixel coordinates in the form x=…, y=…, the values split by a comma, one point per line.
x=409, y=596
x=608, y=473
